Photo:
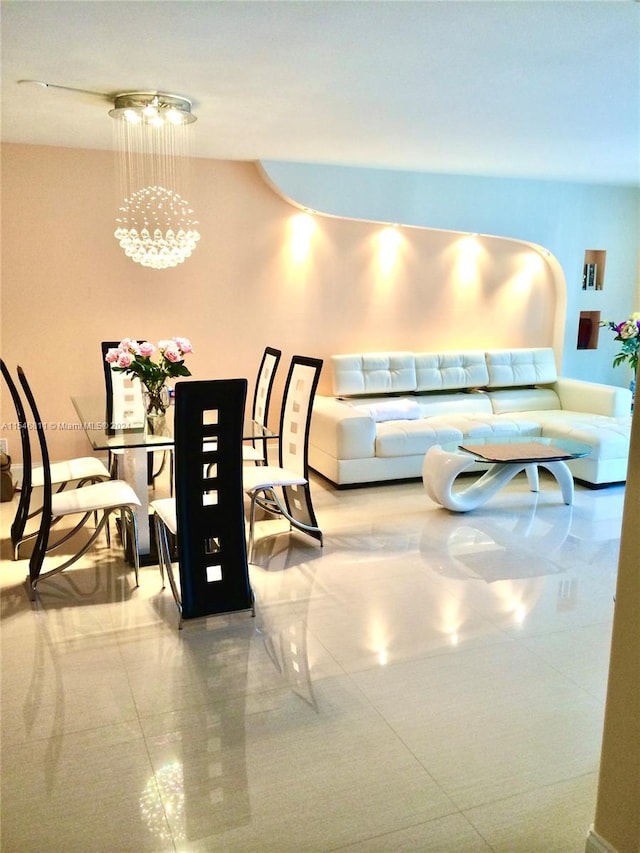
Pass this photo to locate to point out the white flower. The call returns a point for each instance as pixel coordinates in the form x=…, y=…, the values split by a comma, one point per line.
x=629, y=329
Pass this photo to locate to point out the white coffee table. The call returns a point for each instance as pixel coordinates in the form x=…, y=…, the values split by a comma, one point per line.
x=506, y=457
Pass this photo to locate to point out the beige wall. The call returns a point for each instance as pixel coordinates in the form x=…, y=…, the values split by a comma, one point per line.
x=256, y=278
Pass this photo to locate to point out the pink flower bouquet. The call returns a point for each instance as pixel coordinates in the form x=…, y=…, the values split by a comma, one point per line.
x=135, y=359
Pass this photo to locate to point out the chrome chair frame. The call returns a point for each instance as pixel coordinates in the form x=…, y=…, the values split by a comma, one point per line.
x=81, y=471
x=106, y=497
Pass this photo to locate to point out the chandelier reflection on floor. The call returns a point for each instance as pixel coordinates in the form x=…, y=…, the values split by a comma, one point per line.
x=156, y=226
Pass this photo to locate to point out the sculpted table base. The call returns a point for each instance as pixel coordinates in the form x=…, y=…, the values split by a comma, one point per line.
x=441, y=468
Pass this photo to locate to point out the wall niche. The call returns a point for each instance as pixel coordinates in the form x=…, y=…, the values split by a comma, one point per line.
x=588, y=329
x=593, y=273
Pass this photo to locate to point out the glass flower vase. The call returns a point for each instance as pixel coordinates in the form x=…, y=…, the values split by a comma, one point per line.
x=156, y=403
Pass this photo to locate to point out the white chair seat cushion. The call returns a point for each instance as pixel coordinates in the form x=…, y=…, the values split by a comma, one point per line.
x=108, y=495
x=82, y=468
x=166, y=509
x=266, y=476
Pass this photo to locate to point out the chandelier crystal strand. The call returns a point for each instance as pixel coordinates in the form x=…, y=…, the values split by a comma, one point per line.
x=156, y=226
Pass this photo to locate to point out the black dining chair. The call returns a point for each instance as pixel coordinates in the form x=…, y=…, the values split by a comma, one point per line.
x=284, y=489
x=105, y=497
x=256, y=451
x=206, y=517
x=256, y=448
x=79, y=471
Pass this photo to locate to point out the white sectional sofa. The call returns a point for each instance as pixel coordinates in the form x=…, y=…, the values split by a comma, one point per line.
x=388, y=408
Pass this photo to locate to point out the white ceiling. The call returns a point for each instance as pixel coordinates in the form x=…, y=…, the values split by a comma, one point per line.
x=531, y=88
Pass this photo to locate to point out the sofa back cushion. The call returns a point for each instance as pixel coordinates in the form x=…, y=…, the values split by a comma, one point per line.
x=389, y=409
x=370, y=373
x=451, y=371
x=512, y=367
x=509, y=400
x=454, y=403
x=373, y=373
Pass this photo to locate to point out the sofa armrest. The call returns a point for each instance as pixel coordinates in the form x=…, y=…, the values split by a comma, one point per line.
x=341, y=431
x=578, y=395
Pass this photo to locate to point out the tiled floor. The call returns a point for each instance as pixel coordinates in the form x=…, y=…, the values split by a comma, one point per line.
x=425, y=682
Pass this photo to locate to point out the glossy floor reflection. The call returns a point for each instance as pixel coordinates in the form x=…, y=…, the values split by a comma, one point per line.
x=425, y=682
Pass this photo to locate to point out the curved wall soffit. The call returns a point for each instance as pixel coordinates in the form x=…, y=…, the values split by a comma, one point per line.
x=557, y=274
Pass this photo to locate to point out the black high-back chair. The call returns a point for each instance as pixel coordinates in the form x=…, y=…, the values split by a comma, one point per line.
x=110, y=390
x=207, y=514
x=80, y=470
x=256, y=451
x=22, y=512
x=104, y=497
x=284, y=488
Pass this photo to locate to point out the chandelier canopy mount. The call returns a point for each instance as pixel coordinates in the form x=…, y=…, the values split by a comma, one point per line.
x=154, y=108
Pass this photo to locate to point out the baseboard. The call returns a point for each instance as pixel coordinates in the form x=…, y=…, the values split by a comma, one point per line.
x=596, y=486
x=365, y=484
x=597, y=844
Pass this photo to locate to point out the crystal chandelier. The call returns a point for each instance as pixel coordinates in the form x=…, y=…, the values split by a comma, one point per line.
x=155, y=227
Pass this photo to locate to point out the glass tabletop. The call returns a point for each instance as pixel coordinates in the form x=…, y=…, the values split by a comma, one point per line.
x=104, y=434
x=518, y=448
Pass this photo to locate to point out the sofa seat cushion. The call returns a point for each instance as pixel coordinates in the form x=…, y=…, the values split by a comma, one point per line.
x=607, y=436
x=406, y=438
x=492, y=426
x=413, y=438
x=454, y=403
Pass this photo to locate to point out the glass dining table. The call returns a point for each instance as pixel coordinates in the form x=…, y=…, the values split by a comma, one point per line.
x=133, y=443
